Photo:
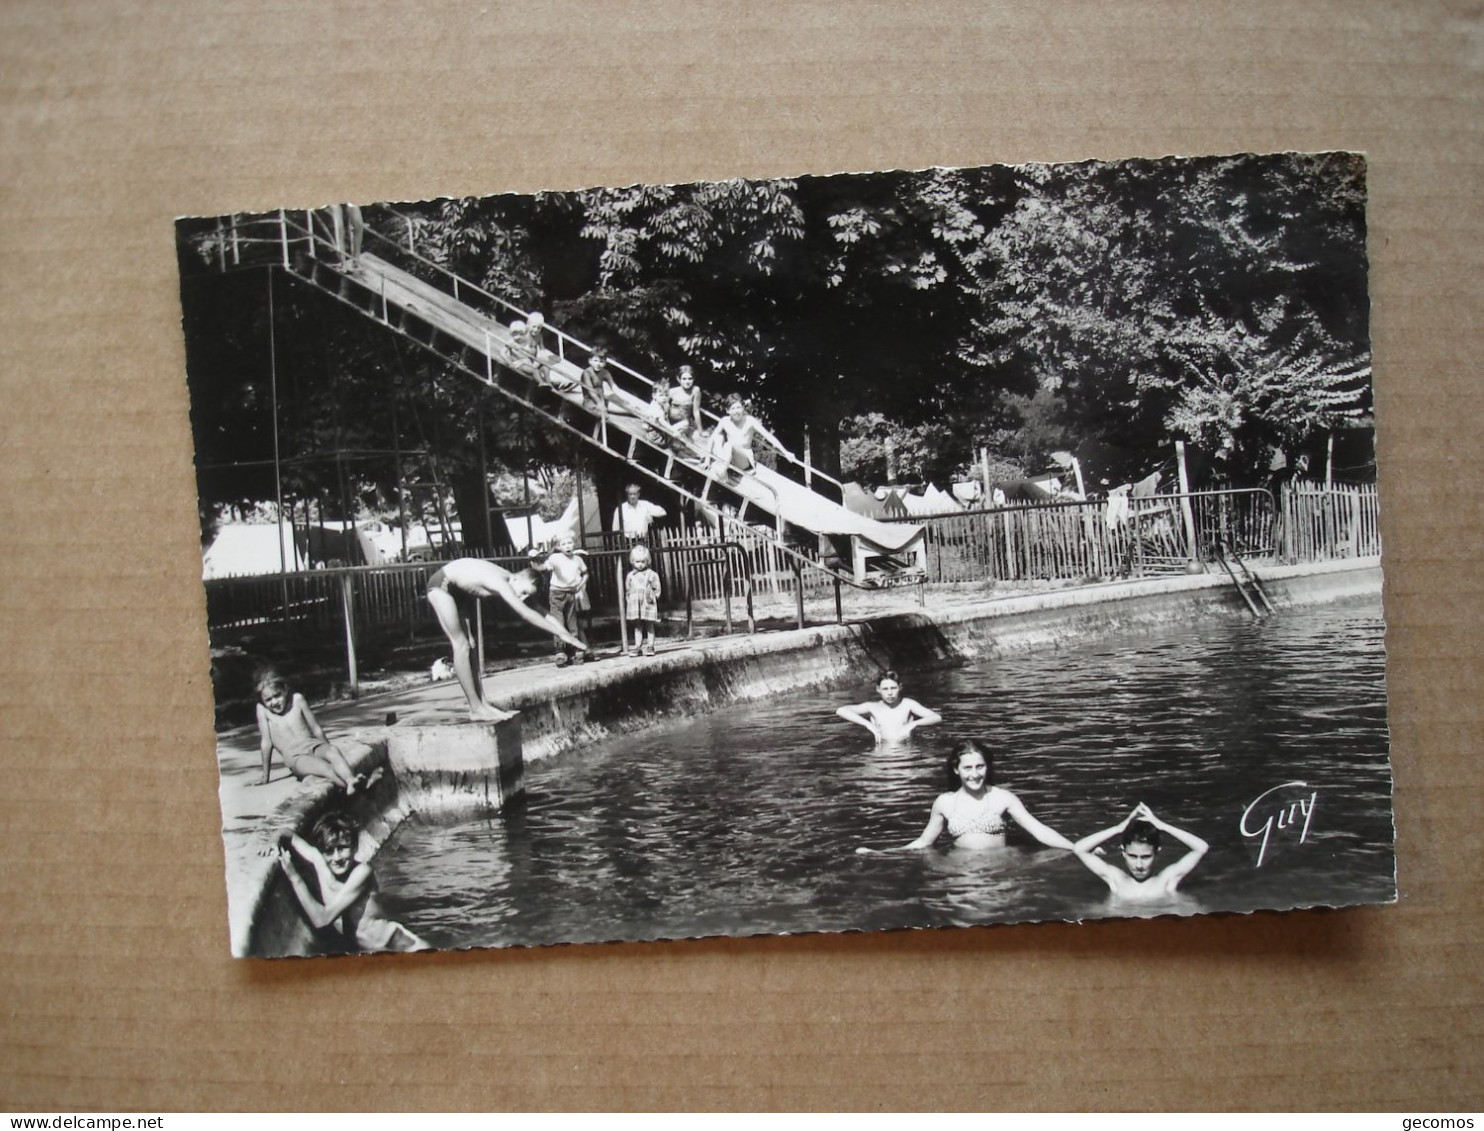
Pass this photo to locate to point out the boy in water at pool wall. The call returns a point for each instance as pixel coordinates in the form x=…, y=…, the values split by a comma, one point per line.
x=452, y=591
x=1140, y=845
x=286, y=724
x=346, y=902
x=641, y=601
x=894, y=718
x=568, y=571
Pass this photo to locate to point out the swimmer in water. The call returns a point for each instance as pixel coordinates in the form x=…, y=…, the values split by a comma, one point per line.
x=452, y=591
x=346, y=902
x=893, y=719
x=1140, y=845
x=975, y=813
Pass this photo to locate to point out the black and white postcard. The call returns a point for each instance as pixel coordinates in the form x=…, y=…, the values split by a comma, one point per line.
x=857, y=552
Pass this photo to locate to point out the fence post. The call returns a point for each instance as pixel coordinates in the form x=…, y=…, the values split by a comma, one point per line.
x=798, y=591
x=479, y=635
x=348, y=608
x=839, y=609
x=623, y=621
x=1011, y=573
x=1185, y=511
x=726, y=587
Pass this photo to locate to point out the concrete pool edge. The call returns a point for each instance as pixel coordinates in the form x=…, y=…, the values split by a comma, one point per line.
x=717, y=673
x=572, y=708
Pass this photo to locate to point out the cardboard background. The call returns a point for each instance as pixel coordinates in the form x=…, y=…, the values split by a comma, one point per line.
x=117, y=986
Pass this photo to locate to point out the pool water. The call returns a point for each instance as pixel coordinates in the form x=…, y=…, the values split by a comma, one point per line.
x=745, y=821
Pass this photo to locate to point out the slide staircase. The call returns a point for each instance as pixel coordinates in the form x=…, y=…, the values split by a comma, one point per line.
x=392, y=284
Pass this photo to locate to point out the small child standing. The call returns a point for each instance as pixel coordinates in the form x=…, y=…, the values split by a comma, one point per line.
x=347, y=887
x=568, y=570
x=286, y=724
x=641, y=601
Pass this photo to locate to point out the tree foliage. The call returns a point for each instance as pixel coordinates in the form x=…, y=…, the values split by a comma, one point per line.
x=1021, y=308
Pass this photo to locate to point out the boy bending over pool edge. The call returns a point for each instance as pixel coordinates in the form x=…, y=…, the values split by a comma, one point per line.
x=1141, y=831
x=452, y=590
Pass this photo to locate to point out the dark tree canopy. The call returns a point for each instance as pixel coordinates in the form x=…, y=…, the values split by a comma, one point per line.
x=1115, y=305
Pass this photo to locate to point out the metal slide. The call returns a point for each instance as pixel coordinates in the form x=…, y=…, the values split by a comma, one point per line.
x=470, y=328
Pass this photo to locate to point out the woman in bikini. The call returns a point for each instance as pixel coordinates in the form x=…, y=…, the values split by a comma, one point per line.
x=975, y=813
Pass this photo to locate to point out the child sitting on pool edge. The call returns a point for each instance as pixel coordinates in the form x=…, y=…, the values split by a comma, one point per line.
x=286, y=724
x=641, y=601
x=346, y=902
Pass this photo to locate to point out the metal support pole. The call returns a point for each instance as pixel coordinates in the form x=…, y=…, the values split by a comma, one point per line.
x=348, y=609
x=525, y=482
x=623, y=621
x=577, y=487
x=283, y=567
x=839, y=608
x=484, y=487
x=479, y=635
x=401, y=471
x=1185, y=511
x=799, y=592
x=727, y=589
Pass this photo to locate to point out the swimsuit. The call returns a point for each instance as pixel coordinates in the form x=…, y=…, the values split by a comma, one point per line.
x=292, y=746
x=439, y=580
x=986, y=820
x=739, y=442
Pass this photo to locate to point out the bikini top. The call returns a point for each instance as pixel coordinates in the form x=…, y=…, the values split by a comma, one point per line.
x=983, y=819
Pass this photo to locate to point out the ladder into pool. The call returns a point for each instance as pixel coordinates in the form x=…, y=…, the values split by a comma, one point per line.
x=1246, y=582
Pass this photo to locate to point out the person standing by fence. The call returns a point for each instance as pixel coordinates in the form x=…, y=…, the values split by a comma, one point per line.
x=633, y=517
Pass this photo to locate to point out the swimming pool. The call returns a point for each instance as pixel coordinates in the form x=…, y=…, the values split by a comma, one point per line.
x=745, y=821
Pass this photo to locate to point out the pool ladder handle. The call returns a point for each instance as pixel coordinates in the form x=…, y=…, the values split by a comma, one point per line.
x=1242, y=577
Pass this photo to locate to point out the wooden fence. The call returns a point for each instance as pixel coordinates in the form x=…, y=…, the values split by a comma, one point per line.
x=1319, y=523
x=1069, y=541
x=1056, y=541
x=690, y=561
